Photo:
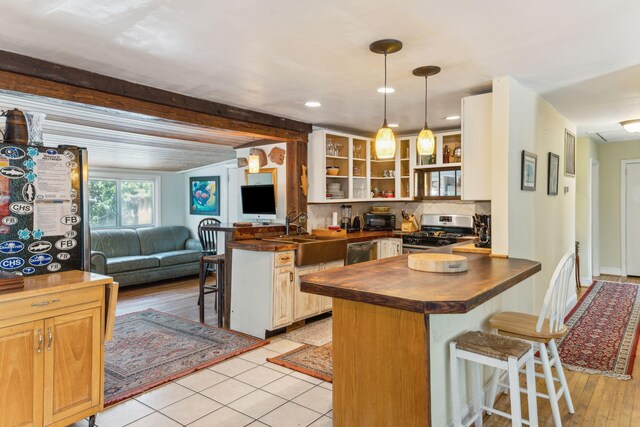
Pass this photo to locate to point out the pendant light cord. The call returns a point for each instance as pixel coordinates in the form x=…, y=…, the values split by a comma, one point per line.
x=425, y=102
x=385, y=90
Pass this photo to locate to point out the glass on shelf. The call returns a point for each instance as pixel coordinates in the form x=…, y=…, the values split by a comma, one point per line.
x=448, y=183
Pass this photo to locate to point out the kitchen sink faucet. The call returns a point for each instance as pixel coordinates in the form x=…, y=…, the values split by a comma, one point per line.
x=302, y=218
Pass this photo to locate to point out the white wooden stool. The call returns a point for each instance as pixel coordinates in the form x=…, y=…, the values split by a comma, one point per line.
x=499, y=352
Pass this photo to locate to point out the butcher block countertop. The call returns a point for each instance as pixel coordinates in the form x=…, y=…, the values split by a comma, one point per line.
x=391, y=283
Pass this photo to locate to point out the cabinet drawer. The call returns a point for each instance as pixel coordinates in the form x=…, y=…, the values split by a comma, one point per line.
x=284, y=258
x=53, y=301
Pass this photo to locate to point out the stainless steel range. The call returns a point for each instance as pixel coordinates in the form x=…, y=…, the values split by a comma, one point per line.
x=437, y=230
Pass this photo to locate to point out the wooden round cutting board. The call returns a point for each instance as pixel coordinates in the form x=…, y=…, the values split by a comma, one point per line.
x=438, y=263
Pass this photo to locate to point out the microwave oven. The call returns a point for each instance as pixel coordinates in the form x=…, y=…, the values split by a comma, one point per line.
x=379, y=222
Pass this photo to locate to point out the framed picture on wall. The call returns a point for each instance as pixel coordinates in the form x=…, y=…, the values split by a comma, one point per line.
x=204, y=195
x=552, y=175
x=528, y=171
x=569, y=153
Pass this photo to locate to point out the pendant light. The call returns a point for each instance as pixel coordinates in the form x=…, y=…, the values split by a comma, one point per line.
x=426, y=143
x=632, y=126
x=385, y=143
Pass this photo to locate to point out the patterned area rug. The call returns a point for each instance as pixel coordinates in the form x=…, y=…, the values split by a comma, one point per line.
x=308, y=359
x=603, y=331
x=150, y=348
x=317, y=333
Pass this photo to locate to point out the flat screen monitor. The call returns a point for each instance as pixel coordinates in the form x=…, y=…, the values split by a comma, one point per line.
x=258, y=201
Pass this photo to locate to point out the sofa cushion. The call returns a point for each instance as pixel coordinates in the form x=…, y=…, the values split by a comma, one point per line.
x=116, y=243
x=130, y=263
x=154, y=240
x=184, y=256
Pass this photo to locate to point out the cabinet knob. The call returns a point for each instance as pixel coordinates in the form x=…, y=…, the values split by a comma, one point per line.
x=291, y=276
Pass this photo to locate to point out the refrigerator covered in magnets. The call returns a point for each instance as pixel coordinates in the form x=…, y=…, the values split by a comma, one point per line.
x=43, y=209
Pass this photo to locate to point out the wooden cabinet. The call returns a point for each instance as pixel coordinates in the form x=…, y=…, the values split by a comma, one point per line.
x=476, y=135
x=345, y=168
x=282, y=287
x=389, y=247
x=305, y=304
x=51, y=349
x=72, y=364
x=21, y=374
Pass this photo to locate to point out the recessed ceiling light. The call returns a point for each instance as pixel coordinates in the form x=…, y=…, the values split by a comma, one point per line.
x=452, y=117
x=386, y=90
x=632, y=126
x=393, y=125
x=312, y=104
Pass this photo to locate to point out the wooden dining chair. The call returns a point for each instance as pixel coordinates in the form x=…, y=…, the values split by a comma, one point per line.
x=542, y=331
x=210, y=262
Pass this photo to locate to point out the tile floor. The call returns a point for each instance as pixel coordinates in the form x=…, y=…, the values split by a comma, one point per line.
x=243, y=391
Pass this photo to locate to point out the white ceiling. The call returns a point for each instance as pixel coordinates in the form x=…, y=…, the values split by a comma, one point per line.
x=272, y=56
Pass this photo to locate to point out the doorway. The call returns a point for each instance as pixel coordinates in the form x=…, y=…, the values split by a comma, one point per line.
x=630, y=221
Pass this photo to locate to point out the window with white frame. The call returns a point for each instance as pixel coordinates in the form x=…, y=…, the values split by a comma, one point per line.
x=123, y=202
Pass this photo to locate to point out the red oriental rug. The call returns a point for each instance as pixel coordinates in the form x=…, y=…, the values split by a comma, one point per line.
x=150, y=348
x=308, y=359
x=603, y=331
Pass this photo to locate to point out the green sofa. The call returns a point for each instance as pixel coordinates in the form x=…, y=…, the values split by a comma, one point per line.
x=144, y=255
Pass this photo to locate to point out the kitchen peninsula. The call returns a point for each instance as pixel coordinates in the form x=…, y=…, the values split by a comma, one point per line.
x=388, y=356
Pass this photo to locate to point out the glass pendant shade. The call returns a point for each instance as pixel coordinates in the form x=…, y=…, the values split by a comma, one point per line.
x=426, y=143
x=254, y=164
x=385, y=143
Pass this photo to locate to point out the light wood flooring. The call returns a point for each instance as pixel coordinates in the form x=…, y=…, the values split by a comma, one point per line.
x=597, y=400
x=177, y=297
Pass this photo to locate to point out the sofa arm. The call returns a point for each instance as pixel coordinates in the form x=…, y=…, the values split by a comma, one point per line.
x=193, y=244
x=98, y=262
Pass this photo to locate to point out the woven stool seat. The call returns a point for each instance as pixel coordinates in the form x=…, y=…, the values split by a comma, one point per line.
x=491, y=345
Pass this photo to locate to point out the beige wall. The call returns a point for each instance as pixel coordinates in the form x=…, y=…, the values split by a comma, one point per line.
x=610, y=156
x=540, y=227
x=586, y=153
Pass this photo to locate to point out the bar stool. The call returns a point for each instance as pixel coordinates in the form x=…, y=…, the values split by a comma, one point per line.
x=499, y=352
x=542, y=330
x=206, y=265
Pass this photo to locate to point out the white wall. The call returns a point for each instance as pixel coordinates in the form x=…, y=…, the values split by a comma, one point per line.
x=171, y=189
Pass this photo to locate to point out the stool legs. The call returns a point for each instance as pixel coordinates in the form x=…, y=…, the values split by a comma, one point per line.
x=477, y=392
x=561, y=377
x=455, y=385
x=532, y=402
x=514, y=392
x=551, y=388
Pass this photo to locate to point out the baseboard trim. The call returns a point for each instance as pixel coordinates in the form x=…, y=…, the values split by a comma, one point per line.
x=586, y=282
x=614, y=271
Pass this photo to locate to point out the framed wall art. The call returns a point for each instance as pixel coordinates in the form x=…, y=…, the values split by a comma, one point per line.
x=569, y=153
x=552, y=174
x=528, y=171
x=204, y=195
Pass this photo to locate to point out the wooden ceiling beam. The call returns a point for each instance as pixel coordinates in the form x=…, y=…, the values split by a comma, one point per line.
x=256, y=143
x=21, y=73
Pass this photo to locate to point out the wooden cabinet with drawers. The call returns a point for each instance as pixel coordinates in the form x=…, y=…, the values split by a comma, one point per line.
x=52, y=348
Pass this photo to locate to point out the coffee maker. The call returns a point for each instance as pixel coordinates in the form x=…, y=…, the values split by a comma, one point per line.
x=345, y=217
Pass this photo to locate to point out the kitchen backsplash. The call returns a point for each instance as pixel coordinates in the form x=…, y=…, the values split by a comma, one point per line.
x=319, y=215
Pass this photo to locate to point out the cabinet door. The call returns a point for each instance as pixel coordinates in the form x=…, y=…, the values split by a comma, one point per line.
x=326, y=302
x=21, y=373
x=395, y=247
x=383, y=248
x=476, y=140
x=304, y=304
x=282, y=294
x=72, y=381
